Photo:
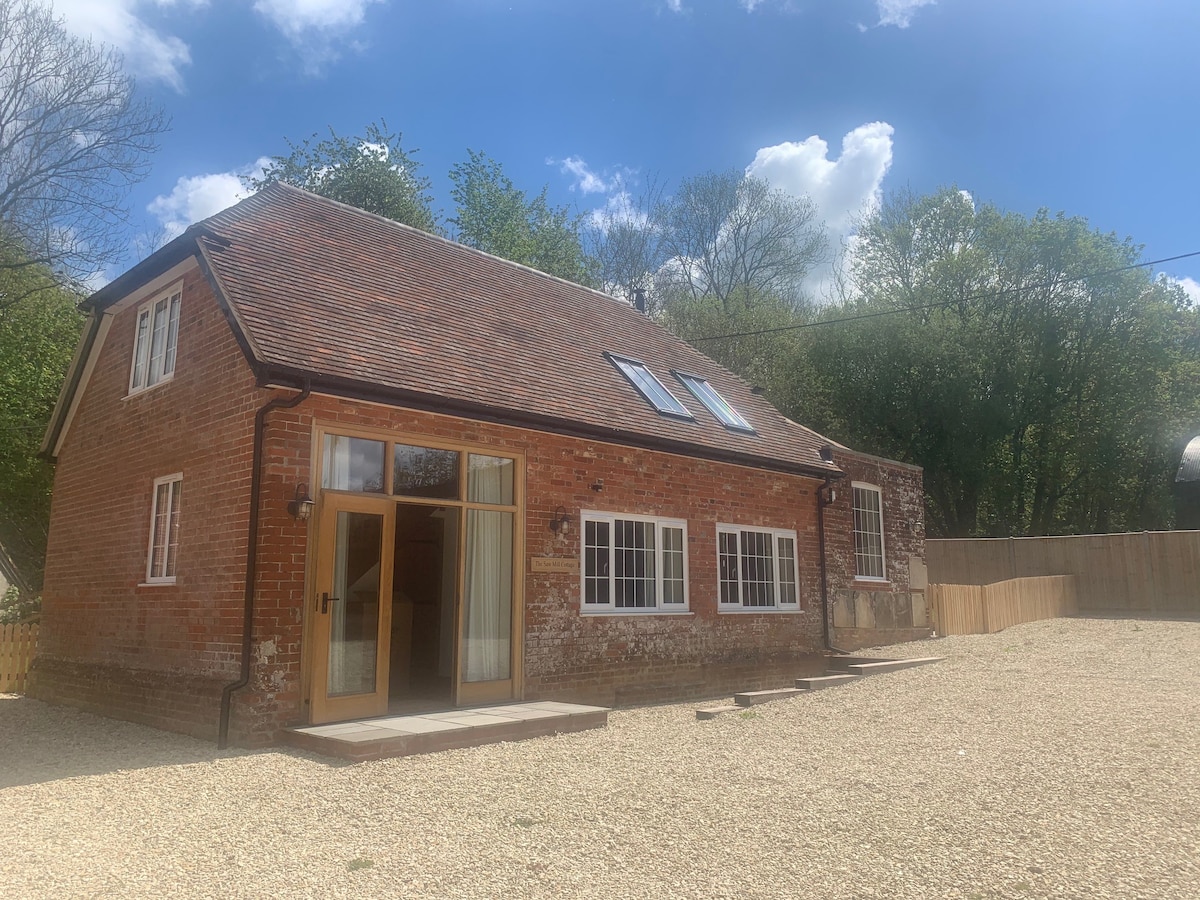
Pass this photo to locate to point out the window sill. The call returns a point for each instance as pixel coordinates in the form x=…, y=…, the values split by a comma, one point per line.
x=864, y=579
x=165, y=582
x=154, y=387
x=627, y=613
x=759, y=611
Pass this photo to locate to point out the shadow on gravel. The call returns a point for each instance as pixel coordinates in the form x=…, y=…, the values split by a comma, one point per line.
x=40, y=742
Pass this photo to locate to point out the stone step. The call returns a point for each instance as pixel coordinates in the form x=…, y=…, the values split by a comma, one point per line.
x=825, y=681
x=879, y=666
x=753, y=698
x=712, y=712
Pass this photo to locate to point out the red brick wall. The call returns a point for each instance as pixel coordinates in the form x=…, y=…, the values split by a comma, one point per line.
x=103, y=632
x=148, y=653
x=605, y=659
x=903, y=538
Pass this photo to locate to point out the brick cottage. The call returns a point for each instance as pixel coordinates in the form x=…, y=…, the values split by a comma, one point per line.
x=313, y=465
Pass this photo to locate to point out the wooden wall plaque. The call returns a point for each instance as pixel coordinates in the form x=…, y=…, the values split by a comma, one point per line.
x=553, y=564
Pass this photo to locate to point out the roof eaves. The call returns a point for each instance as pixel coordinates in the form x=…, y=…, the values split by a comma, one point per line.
x=241, y=334
x=374, y=393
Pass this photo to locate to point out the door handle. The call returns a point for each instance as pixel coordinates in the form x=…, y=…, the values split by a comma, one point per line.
x=324, y=601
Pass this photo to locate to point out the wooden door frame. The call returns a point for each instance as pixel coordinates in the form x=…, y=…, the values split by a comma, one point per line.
x=322, y=427
x=321, y=707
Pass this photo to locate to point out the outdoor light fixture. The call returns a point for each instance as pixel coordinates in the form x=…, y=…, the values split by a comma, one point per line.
x=561, y=523
x=598, y=485
x=301, y=507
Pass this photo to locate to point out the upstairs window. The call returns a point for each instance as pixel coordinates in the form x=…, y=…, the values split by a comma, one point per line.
x=649, y=386
x=868, y=532
x=155, y=338
x=714, y=402
x=634, y=564
x=756, y=569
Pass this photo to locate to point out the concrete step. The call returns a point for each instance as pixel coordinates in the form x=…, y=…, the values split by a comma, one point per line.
x=825, y=681
x=712, y=712
x=753, y=698
x=879, y=666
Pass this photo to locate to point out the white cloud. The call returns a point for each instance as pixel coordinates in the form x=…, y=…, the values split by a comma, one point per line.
x=899, y=12
x=840, y=188
x=675, y=5
x=148, y=53
x=1190, y=286
x=585, y=180
x=315, y=26
x=197, y=197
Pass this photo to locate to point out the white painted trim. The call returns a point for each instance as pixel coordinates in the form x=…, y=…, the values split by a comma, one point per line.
x=610, y=608
x=151, y=579
x=775, y=533
x=89, y=366
x=147, y=309
x=867, y=486
x=154, y=287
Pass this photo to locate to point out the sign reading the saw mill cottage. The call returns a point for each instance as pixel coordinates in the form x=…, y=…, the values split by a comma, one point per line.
x=553, y=564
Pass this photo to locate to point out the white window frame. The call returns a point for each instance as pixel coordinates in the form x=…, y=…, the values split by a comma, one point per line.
x=856, y=486
x=775, y=534
x=141, y=375
x=167, y=573
x=611, y=608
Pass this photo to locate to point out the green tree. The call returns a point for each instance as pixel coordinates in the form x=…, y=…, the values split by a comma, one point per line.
x=1038, y=401
x=38, y=333
x=494, y=215
x=371, y=171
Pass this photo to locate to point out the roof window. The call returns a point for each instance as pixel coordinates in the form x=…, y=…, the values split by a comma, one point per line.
x=716, y=404
x=649, y=387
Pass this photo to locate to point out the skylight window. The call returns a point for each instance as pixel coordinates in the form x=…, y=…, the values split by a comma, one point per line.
x=716, y=404
x=650, y=387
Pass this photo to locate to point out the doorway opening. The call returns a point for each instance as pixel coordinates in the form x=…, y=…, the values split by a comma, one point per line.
x=424, y=594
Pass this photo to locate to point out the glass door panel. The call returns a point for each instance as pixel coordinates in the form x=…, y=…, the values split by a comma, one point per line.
x=351, y=626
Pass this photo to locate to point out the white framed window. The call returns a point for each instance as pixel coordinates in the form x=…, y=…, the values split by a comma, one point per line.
x=756, y=569
x=156, y=335
x=164, y=530
x=633, y=564
x=868, y=532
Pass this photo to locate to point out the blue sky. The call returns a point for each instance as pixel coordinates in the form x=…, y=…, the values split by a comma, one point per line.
x=1084, y=107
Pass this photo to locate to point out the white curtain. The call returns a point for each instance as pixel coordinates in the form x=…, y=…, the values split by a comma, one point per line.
x=487, y=630
x=337, y=463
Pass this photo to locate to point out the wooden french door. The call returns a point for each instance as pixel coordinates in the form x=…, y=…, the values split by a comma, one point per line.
x=351, y=608
x=369, y=569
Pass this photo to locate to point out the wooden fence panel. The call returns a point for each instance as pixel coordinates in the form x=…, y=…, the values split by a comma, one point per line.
x=988, y=608
x=18, y=644
x=1155, y=571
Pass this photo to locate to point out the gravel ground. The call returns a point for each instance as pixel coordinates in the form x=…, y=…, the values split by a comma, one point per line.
x=1056, y=759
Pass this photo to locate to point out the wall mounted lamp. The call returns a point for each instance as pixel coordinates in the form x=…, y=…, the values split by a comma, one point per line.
x=598, y=485
x=301, y=507
x=561, y=523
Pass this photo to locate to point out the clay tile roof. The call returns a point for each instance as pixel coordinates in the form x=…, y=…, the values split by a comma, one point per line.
x=325, y=289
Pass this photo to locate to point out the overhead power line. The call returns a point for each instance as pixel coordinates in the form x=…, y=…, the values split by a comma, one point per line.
x=941, y=304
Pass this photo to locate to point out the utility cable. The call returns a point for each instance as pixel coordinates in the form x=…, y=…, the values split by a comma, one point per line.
x=941, y=304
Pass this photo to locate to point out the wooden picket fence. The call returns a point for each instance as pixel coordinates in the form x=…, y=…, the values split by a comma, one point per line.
x=988, y=608
x=18, y=644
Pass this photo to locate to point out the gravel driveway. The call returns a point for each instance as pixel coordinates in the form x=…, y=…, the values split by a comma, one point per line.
x=1057, y=759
